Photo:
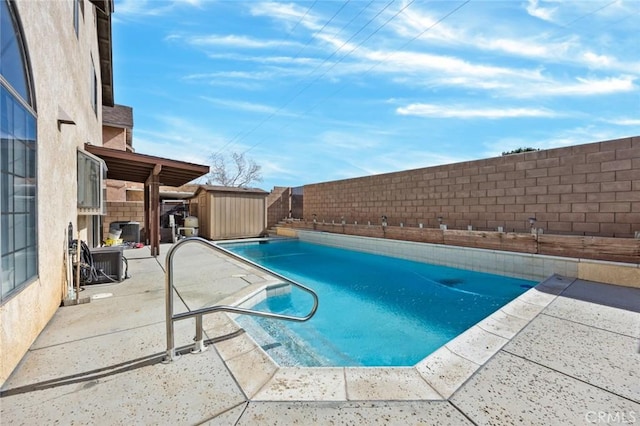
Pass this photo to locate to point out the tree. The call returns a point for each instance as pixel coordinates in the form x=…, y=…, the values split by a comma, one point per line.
x=234, y=171
x=519, y=150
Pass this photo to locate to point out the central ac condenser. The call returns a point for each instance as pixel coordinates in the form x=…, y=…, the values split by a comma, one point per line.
x=108, y=264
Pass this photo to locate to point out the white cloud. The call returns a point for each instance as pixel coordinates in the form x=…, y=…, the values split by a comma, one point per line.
x=400, y=158
x=241, y=105
x=262, y=59
x=623, y=121
x=141, y=8
x=248, y=80
x=235, y=41
x=607, y=62
x=529, y=47
x=425, y=63
x=153, y=144
x=582, y=86
x=196, y=141
x=439, y=111
x=413, y=22
x=422, y=68
x=577, y=136
x=554, y=139
x=546, y=14
x=248, y=106
x=519, y=39
x=594, y=59
x=285, y=11
x=235, y=75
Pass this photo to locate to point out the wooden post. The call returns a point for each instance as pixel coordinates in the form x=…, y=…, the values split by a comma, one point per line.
x=152, y=209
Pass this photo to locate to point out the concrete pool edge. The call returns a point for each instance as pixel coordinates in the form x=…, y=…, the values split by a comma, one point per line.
x=436, y=377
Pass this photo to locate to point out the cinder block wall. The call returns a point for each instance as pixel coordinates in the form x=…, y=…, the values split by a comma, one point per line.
x=297, y=205
x=278, y=205
x=591, y=189
x=123, y=211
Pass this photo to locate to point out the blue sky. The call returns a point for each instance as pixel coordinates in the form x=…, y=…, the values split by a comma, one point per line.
x=327, y=90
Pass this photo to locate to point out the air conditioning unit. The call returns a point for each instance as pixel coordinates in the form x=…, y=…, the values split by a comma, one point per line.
x=108, y=264
x=130, y=231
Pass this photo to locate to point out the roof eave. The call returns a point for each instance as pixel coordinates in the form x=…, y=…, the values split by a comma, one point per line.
x=104, y=9
x=134, y=167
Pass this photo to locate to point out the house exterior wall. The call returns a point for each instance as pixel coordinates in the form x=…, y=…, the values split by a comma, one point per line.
x=114, y=138
x=591, y=189
x=135, y=194
x=61, y=71
x=120, y=190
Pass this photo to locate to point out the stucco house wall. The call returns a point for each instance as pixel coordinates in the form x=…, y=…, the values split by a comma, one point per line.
x=115, y=138
x=117, y=126
x=62, y=74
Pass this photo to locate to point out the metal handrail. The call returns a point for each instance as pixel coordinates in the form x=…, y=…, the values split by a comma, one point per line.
x=199, y=345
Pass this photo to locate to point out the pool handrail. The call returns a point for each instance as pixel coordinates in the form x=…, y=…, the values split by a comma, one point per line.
x=199, y=345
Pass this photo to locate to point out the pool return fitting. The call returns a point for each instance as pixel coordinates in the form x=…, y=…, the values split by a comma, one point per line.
x=199, y=345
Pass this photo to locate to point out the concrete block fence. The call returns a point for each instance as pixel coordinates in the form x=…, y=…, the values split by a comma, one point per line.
x=587, y=190
x=123, y=211
x=626, y=250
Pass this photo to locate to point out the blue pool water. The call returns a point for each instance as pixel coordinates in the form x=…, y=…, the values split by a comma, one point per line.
x=374, y=310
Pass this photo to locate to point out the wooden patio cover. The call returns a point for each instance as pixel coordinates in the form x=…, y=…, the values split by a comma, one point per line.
x=153, y=172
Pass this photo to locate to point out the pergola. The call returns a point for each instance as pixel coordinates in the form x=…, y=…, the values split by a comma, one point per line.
x=153, y=172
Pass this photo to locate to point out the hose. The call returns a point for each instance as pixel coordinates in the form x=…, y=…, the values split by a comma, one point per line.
x=88, y=272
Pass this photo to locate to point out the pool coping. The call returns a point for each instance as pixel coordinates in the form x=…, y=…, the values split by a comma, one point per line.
x=436, y=377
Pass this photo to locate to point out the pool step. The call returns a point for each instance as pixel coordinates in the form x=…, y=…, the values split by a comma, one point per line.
x=283, y=345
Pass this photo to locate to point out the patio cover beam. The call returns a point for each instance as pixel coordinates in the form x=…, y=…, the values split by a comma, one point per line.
x=153, y=172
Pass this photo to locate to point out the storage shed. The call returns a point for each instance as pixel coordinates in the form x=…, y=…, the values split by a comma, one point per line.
x=229, y=212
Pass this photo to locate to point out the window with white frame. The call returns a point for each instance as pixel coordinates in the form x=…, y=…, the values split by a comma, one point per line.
x=91, y=176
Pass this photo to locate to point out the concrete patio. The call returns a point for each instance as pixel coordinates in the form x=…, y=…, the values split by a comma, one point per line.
x=573, y=359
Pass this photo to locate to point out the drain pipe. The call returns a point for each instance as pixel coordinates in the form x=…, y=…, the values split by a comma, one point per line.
x=78, y=250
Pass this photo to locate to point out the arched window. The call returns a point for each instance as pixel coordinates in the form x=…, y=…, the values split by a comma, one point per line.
x=18, y=183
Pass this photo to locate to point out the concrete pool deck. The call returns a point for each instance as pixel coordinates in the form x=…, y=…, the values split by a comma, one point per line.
x=568, y=353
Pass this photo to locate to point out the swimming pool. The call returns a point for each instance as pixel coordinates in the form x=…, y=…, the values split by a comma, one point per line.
x=374, y=310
